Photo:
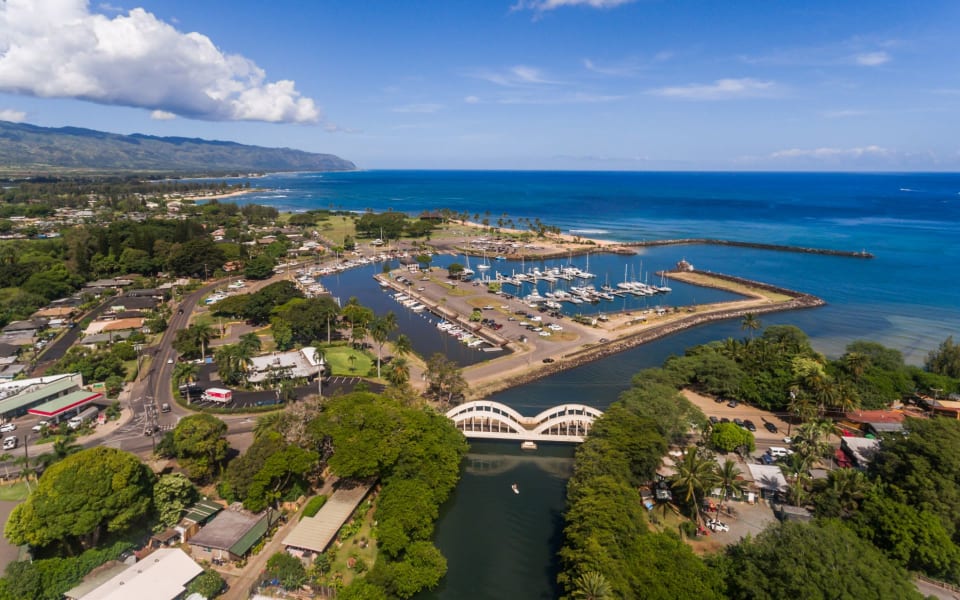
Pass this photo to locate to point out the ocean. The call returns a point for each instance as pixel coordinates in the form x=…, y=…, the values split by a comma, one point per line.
x=907, y=297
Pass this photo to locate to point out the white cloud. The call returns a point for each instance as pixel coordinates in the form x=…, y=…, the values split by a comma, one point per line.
x=828, y=153
x=520, y=75
x=58, y=48
x=545, y=5
x=472, y=100
x=844, y=113
x=721, y=89
x=872, y=59
x=418, y=108
x=14, y=116
x=162, y=115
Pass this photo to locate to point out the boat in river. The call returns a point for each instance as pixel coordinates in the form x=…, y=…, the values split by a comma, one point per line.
x=515, y=488
x=528, y=445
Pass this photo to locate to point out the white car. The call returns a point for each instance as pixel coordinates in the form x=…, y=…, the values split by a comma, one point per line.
x=787, y=440
x=10, y=443
x=169, y=361
x=717, y=525
x=8, y=427
x=39, y=426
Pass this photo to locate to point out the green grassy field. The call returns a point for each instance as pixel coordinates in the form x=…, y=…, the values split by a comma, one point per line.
x=14, y=492
x=338, y=357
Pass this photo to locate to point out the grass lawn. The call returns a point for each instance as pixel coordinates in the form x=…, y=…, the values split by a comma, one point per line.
x=337, y=228
x=338, y=357
x=14, y=492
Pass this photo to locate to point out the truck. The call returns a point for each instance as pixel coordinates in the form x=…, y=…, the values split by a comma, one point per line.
x=90, y=413
x=218, y=395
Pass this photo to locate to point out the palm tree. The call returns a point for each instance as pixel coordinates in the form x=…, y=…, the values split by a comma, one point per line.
x=5, y=458
x=202, y=333
x=728, y=475
x=266, y=423
x=856, y=363
x=846, y=398
x=380, y=330
x=811, y=439
x=398, y=371
x=402, y=345
x=796, y=470
x=849, y=486
x=750, y=322
x=62, y=447
x=185, y=371
x=592, y=585
x=251, y=343
x=695, y=474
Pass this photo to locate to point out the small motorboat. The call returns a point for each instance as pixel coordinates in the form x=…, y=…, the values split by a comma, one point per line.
x=515, y=488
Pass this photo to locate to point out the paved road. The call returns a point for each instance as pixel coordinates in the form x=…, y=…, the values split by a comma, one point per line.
x=59, y=347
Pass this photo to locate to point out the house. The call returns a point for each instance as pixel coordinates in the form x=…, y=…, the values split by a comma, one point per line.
x=875, y=422
x=768, y=480
x=134, y=303
x=162, y=575
x=31, y=327
x=230, y=536
x=860, y=450
x=115, y=325
x=8, y=350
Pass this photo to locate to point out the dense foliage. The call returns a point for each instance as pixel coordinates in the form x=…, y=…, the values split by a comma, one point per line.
x=200, y=445
x=814, y=561
x=606, y=536
x=82, y=497
x=49, y=578
x=258, y=306
x=416, y=453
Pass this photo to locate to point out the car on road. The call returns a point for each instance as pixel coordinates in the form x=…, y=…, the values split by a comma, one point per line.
x=733, y=404
x=718, y=400
x=770, y=427
x=39, y=426
x=716, y=525
x=10, y=443
x=164, y=407
x=8, y=427
x=748, y=425
x=603, y=340
x=787, y=440
x=548, y=360
x=724, y=420
x=169, y=361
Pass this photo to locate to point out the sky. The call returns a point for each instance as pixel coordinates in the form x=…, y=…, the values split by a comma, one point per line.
x=869, y=85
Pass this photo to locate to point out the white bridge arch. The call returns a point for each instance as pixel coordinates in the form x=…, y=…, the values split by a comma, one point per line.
x=485, y=419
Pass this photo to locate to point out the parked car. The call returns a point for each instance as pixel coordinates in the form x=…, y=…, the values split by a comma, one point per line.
x=8, y=427
x=733, y=404
x=788, y=440
x=748, y=425
x=548, y=360
x=770, y=427
x=717, y=525
x=10, y=443
x=714, y=420
x=39, y=426
x=738, y=422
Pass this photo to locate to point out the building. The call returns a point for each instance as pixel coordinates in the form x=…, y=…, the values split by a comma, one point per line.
x=860, y=450
x=15, y=402
x=875, y=422
x=65, y=406
x=295, y=364
x=312, y=535
x=229, y=536
x=768, y=480
x=162, y=575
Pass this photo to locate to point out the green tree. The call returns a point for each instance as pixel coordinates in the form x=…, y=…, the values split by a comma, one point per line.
x=278, y=472
x=260, y=267
x=695, y=475
x=380, y=330
x=287, y=569
x=750, y=323
x=592, y=585
x=208, y=584
x=172, y=494
x=945, y=360
x=729, y=481
x=444, y=378
x=795, y=560
x=200, y=445
x=185, y=372
x=728, y=437
x=80, y=498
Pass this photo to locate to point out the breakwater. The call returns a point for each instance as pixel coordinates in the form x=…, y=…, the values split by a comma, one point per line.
x=754, y=245
x=798, y=300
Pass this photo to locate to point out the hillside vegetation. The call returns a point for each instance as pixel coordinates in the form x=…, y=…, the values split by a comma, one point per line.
x=25, y=148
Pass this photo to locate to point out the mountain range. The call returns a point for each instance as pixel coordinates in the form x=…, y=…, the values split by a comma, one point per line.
x=29, y=148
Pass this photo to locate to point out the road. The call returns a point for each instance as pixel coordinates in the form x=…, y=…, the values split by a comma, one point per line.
x=59, y=347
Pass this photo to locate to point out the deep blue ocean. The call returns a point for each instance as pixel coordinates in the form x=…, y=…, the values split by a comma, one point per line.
x=908, y=297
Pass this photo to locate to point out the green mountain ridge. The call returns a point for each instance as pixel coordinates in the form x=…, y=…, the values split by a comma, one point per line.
x=25, y=147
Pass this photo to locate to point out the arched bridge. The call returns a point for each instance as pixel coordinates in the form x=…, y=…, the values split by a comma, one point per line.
x=485, y=419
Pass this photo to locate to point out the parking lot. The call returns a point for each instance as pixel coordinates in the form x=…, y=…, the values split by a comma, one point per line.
x=764, y=438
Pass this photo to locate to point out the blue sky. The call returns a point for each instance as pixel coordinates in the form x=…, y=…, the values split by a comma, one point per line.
x=506, y=84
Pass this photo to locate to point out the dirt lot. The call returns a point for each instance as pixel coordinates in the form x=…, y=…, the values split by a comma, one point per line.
x=765, y=439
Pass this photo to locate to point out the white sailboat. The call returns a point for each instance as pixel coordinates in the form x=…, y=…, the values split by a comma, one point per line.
x=467, y=271
x=484, y=266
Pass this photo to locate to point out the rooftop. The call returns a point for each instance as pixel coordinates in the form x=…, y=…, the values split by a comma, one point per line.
x=315, y=533
x=62, y=404
x=163, y=575
x=44, y=391
x=231, y=529
x=768, y=477
x=876, y=416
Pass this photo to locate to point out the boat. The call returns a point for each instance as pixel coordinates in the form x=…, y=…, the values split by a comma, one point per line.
x=515, y=488
x=528, y=445
x=484, y=265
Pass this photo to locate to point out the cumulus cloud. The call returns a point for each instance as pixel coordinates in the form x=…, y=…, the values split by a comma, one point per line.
x=829, y=153
x=14, y=116
x=721, y=89
x=162, y=115
x=59, y=49
x=872, y=59
x=545, y=5
x=418, y=108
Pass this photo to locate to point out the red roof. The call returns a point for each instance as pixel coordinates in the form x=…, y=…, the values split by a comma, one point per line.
x=875, y=416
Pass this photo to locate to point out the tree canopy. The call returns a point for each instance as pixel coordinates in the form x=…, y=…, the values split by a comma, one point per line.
x=85, y=495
